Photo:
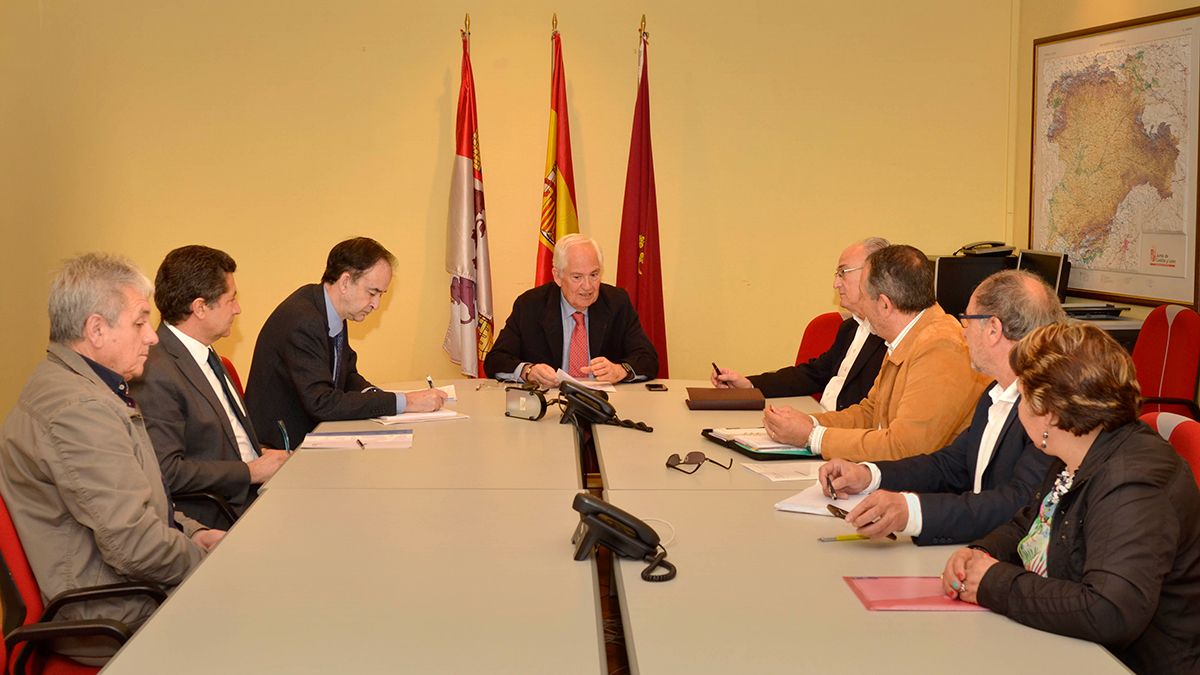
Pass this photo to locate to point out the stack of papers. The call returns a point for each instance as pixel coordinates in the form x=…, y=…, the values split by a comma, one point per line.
x=756, y=439
x=360, y=440
x=813, y=501
x=413, y=417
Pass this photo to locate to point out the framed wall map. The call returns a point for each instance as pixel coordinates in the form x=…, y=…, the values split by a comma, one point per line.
x=1114, y=175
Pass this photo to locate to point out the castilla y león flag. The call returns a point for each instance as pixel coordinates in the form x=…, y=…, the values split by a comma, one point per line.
x=639, y=268
x=558, y=192
x=469, y=335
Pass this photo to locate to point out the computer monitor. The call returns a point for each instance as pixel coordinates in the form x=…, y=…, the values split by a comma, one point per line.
x=955, y=278
x=1053, y=267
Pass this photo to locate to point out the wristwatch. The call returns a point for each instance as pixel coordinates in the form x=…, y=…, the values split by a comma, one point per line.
x=628, y=372
x=525, y=372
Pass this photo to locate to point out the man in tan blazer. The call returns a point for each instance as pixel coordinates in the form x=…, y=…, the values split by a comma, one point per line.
x=77, y=470
x=926, y=389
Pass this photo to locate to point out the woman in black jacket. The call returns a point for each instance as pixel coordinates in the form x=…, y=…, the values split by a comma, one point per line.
x=1109, y=548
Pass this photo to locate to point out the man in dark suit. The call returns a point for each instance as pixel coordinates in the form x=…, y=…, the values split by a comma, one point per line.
x=577, y=324
x=988, y=472
x=844, y=374
x=195, y=417
x=304, y=371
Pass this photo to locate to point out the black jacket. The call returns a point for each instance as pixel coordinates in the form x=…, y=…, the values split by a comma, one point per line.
x=951, y=512
x=1123, y=565
x=534, y=332
x=291, y=376
x=811, y=377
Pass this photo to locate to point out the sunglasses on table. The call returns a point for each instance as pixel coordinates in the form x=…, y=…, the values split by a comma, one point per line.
x=694, y=459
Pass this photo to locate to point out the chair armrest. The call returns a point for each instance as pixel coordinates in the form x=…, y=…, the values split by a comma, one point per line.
x=1166, y=400
x=216, y=500
x=40, y=636
x=153, y=591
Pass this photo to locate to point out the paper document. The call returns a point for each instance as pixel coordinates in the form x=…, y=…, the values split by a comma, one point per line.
x=812, y=500
x=780, y=471
x=451, y=393
x=413, y=417
x=590, y=384
x=363, y=440
x=756, y=438
x=914, y=594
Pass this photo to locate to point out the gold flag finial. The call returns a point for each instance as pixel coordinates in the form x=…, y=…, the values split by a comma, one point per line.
x=642, y=28
x=554, y=21
x=467, y=23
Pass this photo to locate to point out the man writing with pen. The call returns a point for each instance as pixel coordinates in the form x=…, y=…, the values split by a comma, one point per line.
x=976, y=483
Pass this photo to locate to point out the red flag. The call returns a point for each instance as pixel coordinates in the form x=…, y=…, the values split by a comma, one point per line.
x=469, y=335
x=639, y=269
x=558, y=190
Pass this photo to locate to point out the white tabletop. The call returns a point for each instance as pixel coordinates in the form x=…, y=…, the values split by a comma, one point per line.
x=635, y=460
x=486, y=451
x=756, y=593
x=383, y=581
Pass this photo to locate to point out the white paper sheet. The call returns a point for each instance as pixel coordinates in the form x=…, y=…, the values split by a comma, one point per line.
x=811, y=500
x=783, y=471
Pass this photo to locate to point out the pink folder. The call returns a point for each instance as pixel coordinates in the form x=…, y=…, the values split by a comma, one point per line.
x=911, y=594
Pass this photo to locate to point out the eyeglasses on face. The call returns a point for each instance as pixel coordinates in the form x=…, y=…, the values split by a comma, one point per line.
x=841, y=272
x=694, y=459
x=963, y=318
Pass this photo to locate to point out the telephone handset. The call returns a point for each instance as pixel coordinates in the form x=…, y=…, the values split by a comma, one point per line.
x=985, y=248
x=602, y=524
x=589, y=405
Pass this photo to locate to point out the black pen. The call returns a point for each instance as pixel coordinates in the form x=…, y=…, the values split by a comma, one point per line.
x=360, y=443
x=829, y=482
x=716, y=369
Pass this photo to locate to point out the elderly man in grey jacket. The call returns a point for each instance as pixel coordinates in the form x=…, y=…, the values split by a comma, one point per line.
x=77, y=469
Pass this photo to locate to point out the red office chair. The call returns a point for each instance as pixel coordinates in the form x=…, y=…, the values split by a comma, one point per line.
x=1182, y=433
x=233, y=375
x=818, y=337
x=29, y=628
x=1167, y=358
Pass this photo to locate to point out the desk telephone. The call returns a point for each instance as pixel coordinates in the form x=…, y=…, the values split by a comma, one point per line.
x=589, y=405
x=602, y=524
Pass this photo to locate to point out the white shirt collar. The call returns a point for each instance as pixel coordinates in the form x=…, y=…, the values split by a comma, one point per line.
x=198, y=350
x=896, y=343
x=1008, y=394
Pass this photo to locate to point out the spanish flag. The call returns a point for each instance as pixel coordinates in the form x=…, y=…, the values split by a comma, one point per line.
x=558, y=191
x=469, y=335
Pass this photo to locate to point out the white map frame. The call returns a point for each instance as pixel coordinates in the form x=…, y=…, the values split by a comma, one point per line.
x=1150, y=250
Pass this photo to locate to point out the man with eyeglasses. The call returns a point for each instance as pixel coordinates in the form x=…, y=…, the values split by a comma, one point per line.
x=575, y=323
x=304, y=371
x=978, y=482
x=925, y=391
x=844, y=374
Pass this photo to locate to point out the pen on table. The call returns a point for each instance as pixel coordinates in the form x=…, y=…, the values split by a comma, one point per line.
x=429, y=381
x=844, y=537
x=360, y=443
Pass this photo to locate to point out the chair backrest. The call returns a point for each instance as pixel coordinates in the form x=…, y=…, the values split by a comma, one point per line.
x=1167, y=357
x=818, y=337
x=19, y=588
x=1182, y=433
x=233, y=375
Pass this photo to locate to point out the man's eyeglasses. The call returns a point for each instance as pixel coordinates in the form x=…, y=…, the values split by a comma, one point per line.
x=694, y=459
x=963, y=318
x=841, y=272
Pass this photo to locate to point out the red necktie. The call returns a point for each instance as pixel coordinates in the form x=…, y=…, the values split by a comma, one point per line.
x=578, y=357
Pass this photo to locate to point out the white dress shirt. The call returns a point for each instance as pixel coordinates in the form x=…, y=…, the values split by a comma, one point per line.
x=199, y=352
x=834, y=388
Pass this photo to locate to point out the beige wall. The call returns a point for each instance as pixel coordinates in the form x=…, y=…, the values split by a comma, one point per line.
x=782, y=131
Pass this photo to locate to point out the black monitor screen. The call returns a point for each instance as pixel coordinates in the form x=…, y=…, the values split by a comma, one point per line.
x=1053, y=267
x=955, y=278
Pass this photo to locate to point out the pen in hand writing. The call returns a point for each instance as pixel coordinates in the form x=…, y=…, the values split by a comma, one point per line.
x=829, y=483
x=716, y=369
x=429, y=381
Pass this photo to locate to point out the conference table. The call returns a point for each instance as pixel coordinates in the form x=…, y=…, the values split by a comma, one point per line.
x=454, y=555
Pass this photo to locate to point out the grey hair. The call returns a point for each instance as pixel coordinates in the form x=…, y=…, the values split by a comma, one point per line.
x=93, y=283
x=1020, y=300
x=563, y=245
x=872, y=244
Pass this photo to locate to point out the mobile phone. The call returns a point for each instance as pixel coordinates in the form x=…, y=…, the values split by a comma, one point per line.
x=655, y=386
